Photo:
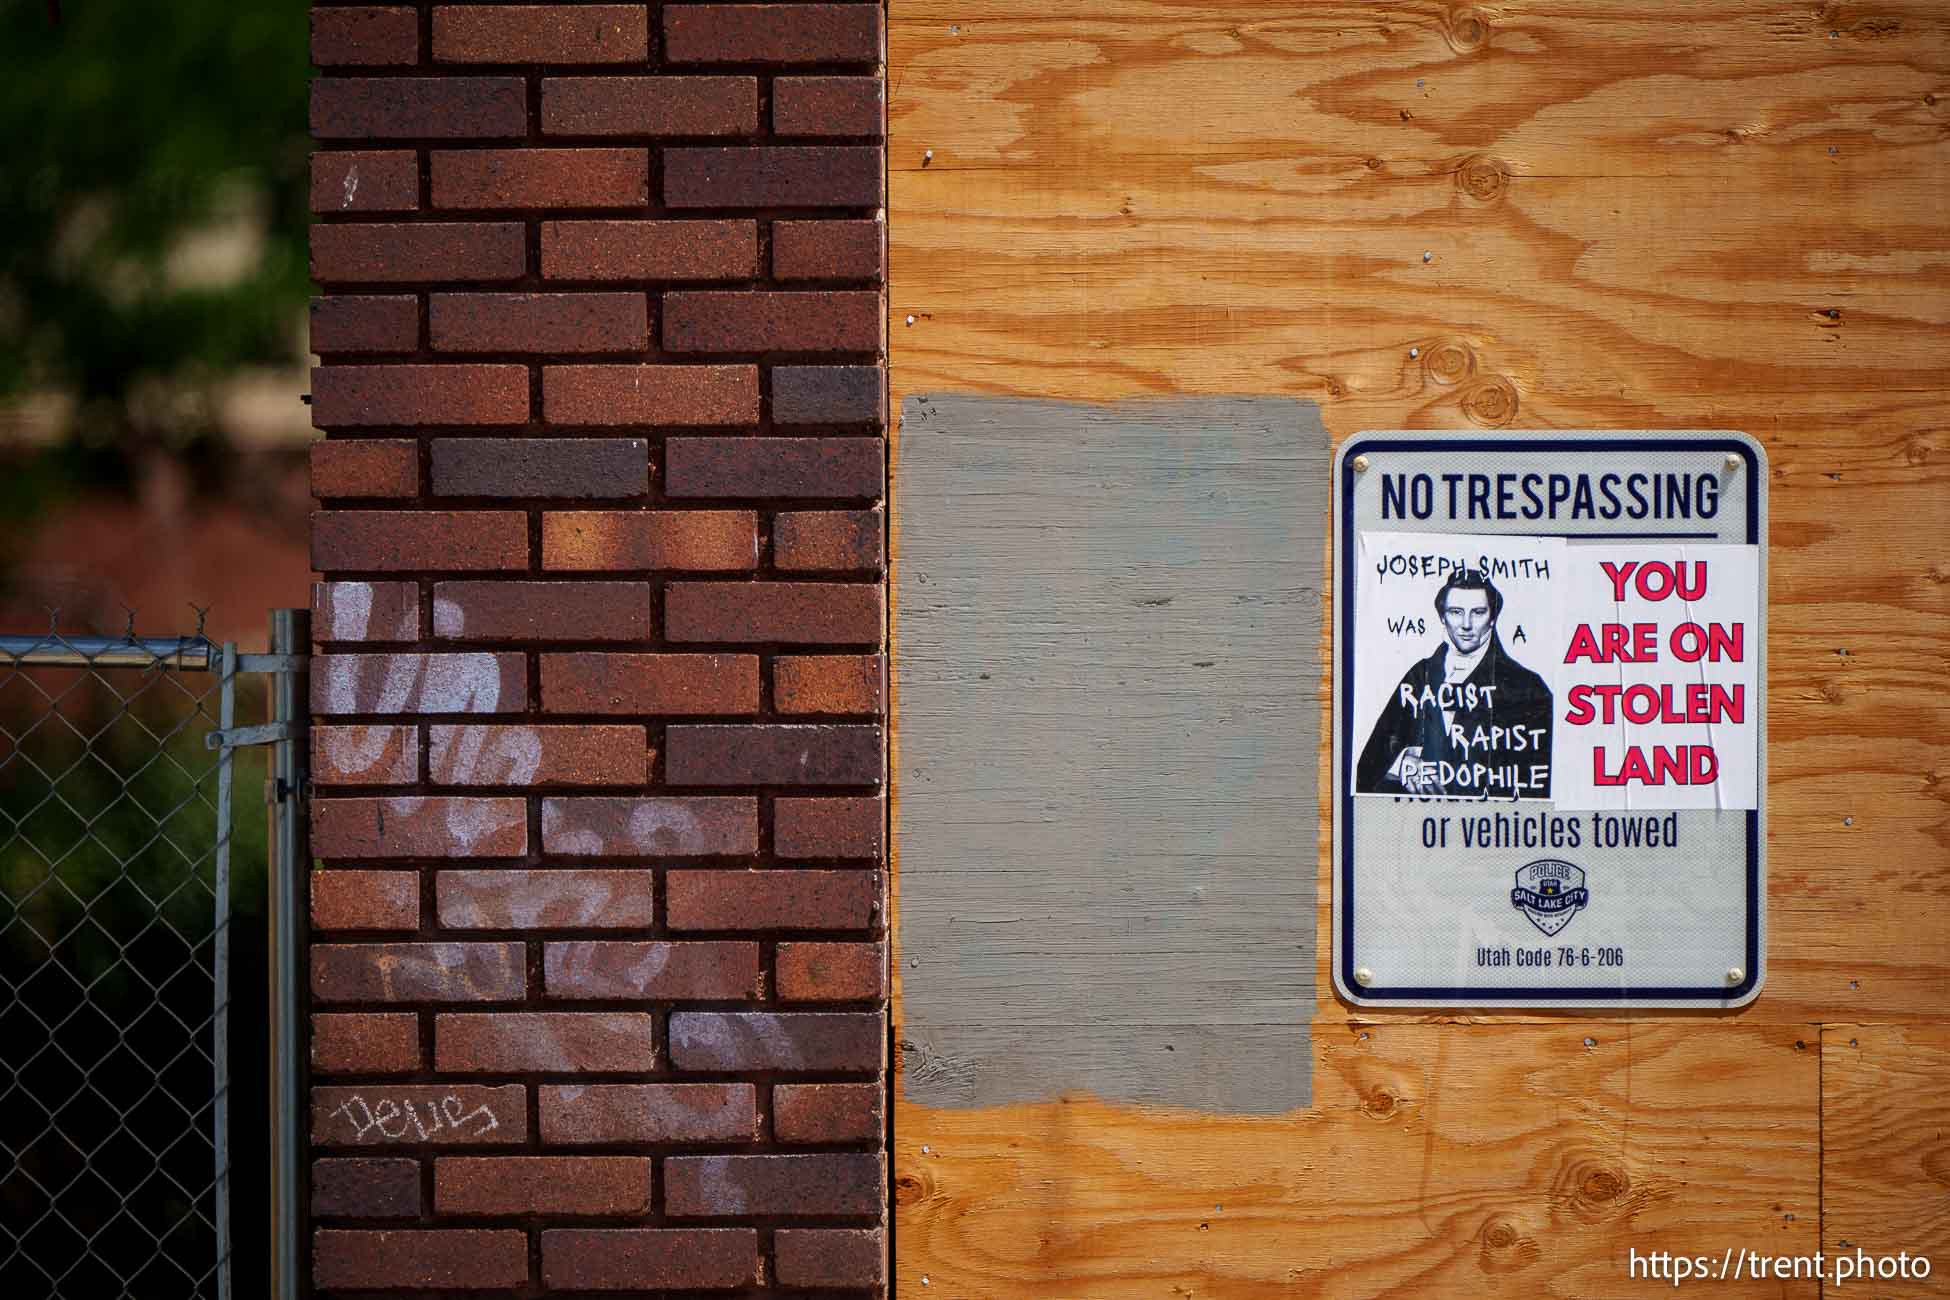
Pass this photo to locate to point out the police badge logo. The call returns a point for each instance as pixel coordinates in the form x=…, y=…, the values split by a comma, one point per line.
x=1550, y=893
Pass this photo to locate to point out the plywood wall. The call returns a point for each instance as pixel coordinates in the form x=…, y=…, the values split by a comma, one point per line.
x=1530, y=215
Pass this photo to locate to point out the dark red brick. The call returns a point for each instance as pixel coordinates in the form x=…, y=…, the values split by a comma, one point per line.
x=845, y=827
x=534, y=755
x=364, y=36
x=842, y=684
x=649, y=250
x=801, y=899
x=542, y=1185
x=689, y=827
x=829, y=106
x=419, y=108
x=772, y=33
x=365, y=611
x=539, y=322
x=369, y=252
x=832, y=972
x=632, y=684
x=773, y=754
x=545, y=900
x=830, y=1257
x=770, y=1040
x=774, y=467
x=402, y=1114
x=540, y=178
x=541, y=611
x=454, y=682
x=606, y=1042
x=608, y=541
x=345, y=396
x=603, y=969
x=828, y=1112
x=417, y=972
x=419, y=1259
x=363, y=180
x=540, y=34
x=828, y=250
x=657, y=1259
x=837, y=1183
x=812, y=320
x=650, y=106
x=416, y=826
x=837, y=541
x=365, y=1188
x=365, y=900
x=365, y=1042
x=829, y=395
x=773, y=176
x=602, y=1113
x=797, y=613
x=365, y=467
x=414, y=540
x=658, y=396
x=358, y=323
x=541, y=467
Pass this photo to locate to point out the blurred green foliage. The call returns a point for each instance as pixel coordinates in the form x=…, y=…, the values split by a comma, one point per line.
x=129, y=130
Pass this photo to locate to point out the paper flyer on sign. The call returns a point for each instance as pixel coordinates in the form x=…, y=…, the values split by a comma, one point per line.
x=1453, y=689
x=1657, y=685
x=1595, y=676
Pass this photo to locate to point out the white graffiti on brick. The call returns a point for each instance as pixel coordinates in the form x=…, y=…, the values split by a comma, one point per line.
x=576, y=966
x=491, y=900
x=410, y=683
x=468, y=821
x=398, y=1119
x=485, y=755
x=350, y=607
x=354, y=751
x=654, y=826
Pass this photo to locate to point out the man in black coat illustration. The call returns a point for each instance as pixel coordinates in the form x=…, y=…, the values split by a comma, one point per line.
x=1468, y=721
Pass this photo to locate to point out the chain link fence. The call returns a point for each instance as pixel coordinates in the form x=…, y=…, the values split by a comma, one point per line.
x=116, y=920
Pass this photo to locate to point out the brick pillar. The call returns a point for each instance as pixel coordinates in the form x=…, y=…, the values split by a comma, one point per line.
x=597, y=963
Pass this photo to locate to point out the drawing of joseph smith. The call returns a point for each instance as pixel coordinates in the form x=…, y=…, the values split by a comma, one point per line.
x=1468, y=721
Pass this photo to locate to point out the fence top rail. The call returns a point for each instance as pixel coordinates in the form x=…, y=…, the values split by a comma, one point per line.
x=54, y=650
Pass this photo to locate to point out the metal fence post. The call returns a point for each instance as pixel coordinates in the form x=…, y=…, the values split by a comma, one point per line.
x=290, y=858
x=220, y=1019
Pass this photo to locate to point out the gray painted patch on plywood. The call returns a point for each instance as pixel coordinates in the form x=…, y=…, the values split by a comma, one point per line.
x=1107, y=646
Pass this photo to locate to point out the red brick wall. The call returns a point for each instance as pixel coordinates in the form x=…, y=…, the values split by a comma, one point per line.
x=597, y=958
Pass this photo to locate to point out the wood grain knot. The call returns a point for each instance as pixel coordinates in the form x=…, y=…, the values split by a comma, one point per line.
x=1504, y=1249
x=1832, y=692
x=1482, y=177
x=1449, y=362
x=1467, y=28
x=910, y=1189
x=1602, y=1186
x=1491, y=402
x=1592, y=1188
x=1380, y=1104
x=1917, y=453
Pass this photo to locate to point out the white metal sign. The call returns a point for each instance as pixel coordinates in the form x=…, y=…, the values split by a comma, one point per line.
x=1550, y=719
